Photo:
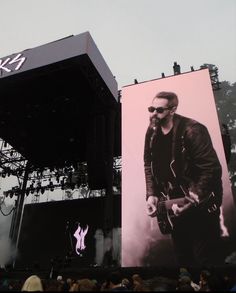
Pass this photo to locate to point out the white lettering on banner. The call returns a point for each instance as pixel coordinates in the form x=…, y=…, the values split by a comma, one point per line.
x=2, y=63
x=80, y=235
x=18, y=60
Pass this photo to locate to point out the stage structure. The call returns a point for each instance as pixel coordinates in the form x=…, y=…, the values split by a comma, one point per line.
x=59, y=107
x=69, y=235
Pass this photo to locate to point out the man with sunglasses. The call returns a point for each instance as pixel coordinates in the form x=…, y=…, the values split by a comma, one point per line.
x=180, y=162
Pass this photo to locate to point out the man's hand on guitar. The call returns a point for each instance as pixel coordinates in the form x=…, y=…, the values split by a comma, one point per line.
x=152, y=206
x=192, y=200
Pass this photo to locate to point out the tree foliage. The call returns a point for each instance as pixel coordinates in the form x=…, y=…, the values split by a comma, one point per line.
x=225, y=99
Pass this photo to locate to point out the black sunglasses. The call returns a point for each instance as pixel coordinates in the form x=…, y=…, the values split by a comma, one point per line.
x=158, y=109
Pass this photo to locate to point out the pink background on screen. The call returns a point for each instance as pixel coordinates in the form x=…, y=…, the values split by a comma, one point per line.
x=196, y=100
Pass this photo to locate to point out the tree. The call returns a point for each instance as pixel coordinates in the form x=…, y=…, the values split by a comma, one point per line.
x=225, y=99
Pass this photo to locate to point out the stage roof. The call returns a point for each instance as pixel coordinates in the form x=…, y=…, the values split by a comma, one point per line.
x=48, y=95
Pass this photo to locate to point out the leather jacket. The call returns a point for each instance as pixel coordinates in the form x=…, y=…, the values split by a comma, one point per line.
x=194, y=162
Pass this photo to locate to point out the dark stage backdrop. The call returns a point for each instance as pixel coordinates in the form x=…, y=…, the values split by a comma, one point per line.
x=47, y=232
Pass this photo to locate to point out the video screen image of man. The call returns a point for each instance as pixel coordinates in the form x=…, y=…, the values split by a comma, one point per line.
x=177, y=202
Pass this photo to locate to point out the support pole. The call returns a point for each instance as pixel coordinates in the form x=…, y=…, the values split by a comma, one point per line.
x=110, y=131
x=16, y=219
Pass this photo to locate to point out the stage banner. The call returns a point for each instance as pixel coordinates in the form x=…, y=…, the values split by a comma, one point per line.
x=69, y=234
x=165, y=159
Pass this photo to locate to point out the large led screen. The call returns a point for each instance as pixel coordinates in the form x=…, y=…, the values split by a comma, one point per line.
x=192, y=155
x=69, y=233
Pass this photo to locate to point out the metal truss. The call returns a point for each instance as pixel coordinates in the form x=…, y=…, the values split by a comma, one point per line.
x=73, y=178
x=11, y=162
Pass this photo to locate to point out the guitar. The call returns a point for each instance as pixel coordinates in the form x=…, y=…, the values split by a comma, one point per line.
x=166, y=216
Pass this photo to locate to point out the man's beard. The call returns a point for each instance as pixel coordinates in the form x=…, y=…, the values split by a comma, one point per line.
x=155, y=121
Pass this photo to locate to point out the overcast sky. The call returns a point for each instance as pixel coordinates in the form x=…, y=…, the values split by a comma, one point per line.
x=137, y=38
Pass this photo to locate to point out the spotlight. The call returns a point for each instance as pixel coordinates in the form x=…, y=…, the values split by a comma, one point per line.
x=20, y=172
x=50, y=185
x=62, y=184
x=8, y=172
x=38, y=188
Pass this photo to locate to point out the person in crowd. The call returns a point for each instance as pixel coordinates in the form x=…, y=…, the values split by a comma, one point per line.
x=33, y=283
x=67, y=284
x=86, y=285
x=185, y=273
x=126, y=283
x=184, y=284
x=204, y=279
x=138, y=283
x=115, y=282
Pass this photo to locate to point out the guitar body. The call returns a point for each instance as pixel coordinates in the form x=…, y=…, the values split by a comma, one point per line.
x=166, y=217
x=164, y=223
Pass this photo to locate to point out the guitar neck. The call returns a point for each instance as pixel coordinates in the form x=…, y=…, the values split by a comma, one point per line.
x=179, y=201
x=183, y=201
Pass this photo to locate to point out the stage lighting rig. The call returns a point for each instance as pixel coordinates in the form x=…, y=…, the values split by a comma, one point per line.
x=117, y=174
x=73, y=176
x=13, y=191
x=11, y=162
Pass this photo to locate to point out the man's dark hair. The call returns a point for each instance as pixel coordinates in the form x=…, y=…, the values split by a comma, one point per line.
x=170, y=96
x=115, y=278
x=205, y=275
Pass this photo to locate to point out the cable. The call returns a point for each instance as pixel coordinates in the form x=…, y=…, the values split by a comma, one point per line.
x=7, y=214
